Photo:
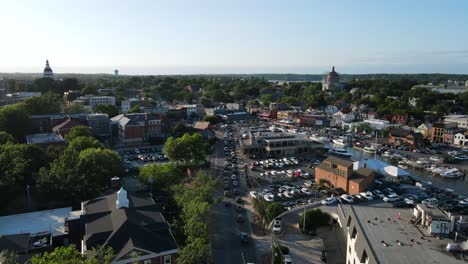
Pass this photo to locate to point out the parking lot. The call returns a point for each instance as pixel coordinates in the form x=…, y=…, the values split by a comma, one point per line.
x=138, y=157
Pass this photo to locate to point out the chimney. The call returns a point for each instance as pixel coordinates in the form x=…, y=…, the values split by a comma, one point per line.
x=122, y=200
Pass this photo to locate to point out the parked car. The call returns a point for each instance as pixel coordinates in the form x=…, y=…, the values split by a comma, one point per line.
x=378, y=193
x=287, y=259
x=277, y=225
x=306, y=191
x=391, y=198
x=308, y=184
x=367, y=195
x=347, y=198
x=254, y=194
x=329, y=201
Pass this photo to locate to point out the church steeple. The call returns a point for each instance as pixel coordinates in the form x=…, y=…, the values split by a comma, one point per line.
x=333, y=69
x=48, y=73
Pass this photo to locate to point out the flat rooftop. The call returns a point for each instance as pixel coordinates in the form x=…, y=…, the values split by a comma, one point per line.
x=36, y=222
x=44, y=138
x=389, y=228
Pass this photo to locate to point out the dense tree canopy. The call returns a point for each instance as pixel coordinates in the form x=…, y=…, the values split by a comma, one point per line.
x=188, y=148
x=14, y=119
x=163, y=176
x=110, y=110
x=85, y=165
x=78, y=131
x=48, y=103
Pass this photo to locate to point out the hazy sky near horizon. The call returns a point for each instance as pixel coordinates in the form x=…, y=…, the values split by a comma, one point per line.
x=234, y=36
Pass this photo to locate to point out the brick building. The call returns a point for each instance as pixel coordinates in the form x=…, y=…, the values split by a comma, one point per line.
x=339, y=173
x=400, y=136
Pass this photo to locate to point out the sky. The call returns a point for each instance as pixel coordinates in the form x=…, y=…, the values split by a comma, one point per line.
x=234, y=36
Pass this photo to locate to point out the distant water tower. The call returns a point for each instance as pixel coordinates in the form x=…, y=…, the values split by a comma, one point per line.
x=116, y=72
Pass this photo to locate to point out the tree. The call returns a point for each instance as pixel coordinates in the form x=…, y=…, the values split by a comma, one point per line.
x=181, y=129
x=273, y=210
x=194, y=252
x=77, y=176
x=89, y=89
x=213, y=119
x=5, y=138
x=110, y=110
x=314, y=218
x=78, y=131
x=54, y=152
x=135, y=109
x=195, y=200
x=74, y=108
x=100, y=255
x=98, y=166
x=163, y=176
x=8, y=257
x=187, y=148
x=81, y=143
x=48, y=103
x=266, y=99
x=14, y=119
x=18, y=164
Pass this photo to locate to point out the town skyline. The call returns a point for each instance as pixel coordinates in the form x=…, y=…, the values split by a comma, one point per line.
x=235, y=38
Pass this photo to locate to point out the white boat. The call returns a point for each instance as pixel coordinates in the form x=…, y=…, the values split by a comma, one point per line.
x=451, y=173
x=339, y=141
x=340, y=151
x=402, y=165
x=319, y=139
x=369, y=149
x=438, y=170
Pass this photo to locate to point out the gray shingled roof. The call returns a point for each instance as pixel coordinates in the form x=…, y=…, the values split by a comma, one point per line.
x=140, y=226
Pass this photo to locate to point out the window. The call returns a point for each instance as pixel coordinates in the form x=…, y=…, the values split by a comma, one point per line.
x=148, y=261
x=167, y=259
x=354, y=233
x=364, y=257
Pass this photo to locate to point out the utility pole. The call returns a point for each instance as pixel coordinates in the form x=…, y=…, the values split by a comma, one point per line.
x=27, y=192
x=304, y=224
x=150, y=180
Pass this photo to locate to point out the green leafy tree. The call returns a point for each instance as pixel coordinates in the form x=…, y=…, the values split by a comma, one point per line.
x=213, y=119
x=100, y=255
x=163, y=176
x=98, y=166
x=273, y=210
x=266, y=99
x=18, y=164
x=314, y=219
x=5, y=138
x=74, y=108
x=181, y=129
x=89, y=89
x=195, y=200
x=81, y=143
x=135, y=109
x=48, y=103
x=8, y=257
x=78, y=131
x=55, y=151
x=77, y=176
x=110, y=110
x=194, y=252
x=14, y=119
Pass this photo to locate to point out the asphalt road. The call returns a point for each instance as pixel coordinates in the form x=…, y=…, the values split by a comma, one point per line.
x=225, y=241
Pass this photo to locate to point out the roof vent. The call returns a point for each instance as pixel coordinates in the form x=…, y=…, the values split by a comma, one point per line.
x=122, y=200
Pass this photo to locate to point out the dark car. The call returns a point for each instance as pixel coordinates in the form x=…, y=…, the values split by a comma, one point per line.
x=244, y=238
